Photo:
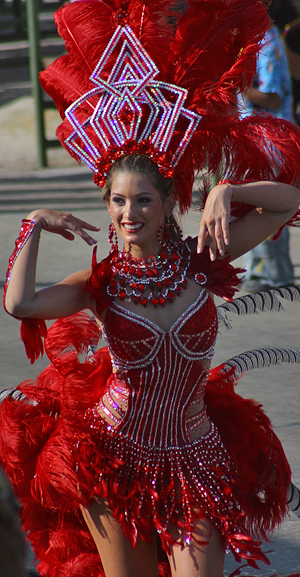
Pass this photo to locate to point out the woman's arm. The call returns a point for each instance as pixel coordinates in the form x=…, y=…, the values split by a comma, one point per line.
x=274, y=204
x=62, y=299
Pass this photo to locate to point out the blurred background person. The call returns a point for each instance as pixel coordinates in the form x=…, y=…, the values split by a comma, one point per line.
x=287, y=19
x=269, y=264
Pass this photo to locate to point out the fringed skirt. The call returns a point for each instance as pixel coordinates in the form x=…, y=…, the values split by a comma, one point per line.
x=59, y=454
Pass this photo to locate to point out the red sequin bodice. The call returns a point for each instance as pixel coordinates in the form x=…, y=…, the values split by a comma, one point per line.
x=143, y=443
x=139, y=437
x=163, y=371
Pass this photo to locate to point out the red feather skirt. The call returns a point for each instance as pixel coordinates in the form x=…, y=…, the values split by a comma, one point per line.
x=49, y=449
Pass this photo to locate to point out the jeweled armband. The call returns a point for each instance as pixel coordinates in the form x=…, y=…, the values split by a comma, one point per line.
x=26, y=231
x=32, y=331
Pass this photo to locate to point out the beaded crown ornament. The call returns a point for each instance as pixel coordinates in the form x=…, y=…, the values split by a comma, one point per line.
x=135, y=112
x=141, y=77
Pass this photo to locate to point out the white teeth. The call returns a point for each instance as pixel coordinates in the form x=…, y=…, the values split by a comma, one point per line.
x=132, y=226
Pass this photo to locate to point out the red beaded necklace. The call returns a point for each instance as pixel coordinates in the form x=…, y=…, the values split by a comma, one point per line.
x=155, y=280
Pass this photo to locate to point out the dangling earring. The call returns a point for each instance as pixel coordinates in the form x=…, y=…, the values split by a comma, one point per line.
x=174, y=230
x=169, y=230
x=166, y=230
x=161, y=234
x=113, y=238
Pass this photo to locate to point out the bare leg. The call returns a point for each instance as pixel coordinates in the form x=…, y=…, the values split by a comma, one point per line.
x=118, y=557
x=196, y=560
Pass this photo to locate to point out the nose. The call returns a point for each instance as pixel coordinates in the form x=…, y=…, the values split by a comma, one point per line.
x=129, y=211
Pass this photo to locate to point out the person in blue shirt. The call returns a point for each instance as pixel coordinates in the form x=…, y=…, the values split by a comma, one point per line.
x=287, y=20
x=269, y=264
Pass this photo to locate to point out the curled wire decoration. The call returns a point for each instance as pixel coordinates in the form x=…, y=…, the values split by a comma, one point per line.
x=262, y=301
x=15, y=395
x=260, y=358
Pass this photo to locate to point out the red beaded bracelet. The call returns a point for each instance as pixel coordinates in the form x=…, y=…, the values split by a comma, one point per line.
x=26, y=231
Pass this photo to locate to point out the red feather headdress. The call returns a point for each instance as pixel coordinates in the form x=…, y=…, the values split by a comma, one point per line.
x=140, y=77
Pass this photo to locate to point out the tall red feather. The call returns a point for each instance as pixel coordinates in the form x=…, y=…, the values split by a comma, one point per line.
x=87, y=26
x=212, y=53
x=216, y=40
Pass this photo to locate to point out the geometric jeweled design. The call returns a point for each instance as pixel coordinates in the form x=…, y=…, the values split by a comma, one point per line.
x=132, y=107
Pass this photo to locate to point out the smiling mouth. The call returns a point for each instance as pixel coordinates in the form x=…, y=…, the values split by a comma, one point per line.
x=132, y=226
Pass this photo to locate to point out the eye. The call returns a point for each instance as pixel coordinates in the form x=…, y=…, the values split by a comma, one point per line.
x=144, y=200
x=117, y=200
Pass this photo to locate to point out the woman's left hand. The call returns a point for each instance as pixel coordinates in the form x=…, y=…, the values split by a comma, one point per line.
x=214, y=224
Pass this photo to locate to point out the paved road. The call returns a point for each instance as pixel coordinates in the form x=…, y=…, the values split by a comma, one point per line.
x=277, y=389
x=23, y=187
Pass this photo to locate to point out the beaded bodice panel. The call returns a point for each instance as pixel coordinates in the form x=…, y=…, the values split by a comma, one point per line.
x=163, y=372
x=134, y=340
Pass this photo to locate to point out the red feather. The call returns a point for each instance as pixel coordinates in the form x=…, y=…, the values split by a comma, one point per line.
x=222, y=279
x=211, y=51
x=215, y=41
x=259, y=147
x=87, y=26
x=32, y=332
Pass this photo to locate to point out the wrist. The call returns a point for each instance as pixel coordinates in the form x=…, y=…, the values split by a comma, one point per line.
x=27, y=228
x=35, y=218
x=228, y=188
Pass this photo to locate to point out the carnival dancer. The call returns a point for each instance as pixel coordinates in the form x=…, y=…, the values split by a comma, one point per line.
x=139, y=459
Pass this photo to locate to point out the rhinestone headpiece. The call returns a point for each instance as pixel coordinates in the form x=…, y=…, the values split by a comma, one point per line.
x=135, y=112
x=138, y=76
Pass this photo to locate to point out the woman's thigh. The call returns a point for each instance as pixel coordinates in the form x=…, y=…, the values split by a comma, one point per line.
x=118, y=557
x=199, y=560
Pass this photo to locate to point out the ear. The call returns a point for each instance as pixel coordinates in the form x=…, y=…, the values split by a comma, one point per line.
x=169, y=203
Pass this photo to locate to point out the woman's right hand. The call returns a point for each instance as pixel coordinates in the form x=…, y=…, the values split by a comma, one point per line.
x=63, y=223
x=214, y=224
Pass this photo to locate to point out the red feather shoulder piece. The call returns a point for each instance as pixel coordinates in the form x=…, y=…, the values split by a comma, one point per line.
x=218, y=276
x=99, y=280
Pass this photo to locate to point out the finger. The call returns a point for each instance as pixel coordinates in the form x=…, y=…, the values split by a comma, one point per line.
x=212, y=247
x=62, y=232
x=88, y=239
x=219, y=238
x=76, y=227
x=65, y=234
x=225, y=228
x=213, y=251
x=70, y=236
x=201, y=241
x=87, y=225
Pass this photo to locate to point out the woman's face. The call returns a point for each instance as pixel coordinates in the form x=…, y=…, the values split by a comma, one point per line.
x=137, y=211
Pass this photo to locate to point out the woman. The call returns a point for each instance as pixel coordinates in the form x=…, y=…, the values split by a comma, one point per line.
x=179, y=507
x=138, y=451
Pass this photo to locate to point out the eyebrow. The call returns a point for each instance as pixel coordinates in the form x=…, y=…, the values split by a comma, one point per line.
x=138, y=194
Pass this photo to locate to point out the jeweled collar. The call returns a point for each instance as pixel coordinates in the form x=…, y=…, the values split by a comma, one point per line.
x=154, y=280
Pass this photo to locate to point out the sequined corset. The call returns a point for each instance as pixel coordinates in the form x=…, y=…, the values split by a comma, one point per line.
x=160, y=372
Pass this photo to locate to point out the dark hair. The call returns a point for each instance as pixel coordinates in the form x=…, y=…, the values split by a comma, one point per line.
x=139, y=164
x=142, y=164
